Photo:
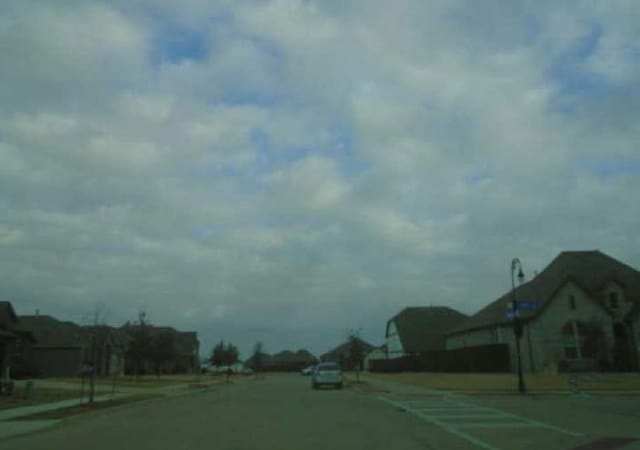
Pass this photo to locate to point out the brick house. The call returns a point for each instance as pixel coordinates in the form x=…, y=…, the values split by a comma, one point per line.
x=13, y=339
x=587, y=317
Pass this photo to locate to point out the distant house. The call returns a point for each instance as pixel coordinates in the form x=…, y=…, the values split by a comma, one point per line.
x=584, y=313
x=420, y=329
x=13, y=339
x=60, y=349
x=375, y=355
x=107, y=347
x=342, y=353
x=284, y=361
x=187, y=352
x=184, y=355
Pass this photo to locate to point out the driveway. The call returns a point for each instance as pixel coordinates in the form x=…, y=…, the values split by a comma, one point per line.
x=282, y=412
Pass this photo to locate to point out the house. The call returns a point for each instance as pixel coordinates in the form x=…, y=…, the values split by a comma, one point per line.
x=284, y=361
x=107, y=347
x=420, y=329
x=342, y=353
x=187, y=352
x=374, y=355
x=13, y=339
x=586, y=315
x=180, y=355
x=61, y=348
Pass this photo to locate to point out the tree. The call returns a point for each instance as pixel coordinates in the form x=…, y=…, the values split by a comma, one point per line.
x=356, y=353
x=231, y=356
x=217, y=355
x=162, y=350
x=140, y=347
x=256, y=358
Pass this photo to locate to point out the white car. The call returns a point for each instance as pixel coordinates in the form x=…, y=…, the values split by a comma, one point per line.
x=327, y=374
x=307, y=370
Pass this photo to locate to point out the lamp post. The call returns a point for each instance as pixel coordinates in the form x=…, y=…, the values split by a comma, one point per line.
x=517, y=324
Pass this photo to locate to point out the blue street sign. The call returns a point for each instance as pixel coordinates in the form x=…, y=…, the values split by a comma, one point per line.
x=527, y=305
x=510, y=315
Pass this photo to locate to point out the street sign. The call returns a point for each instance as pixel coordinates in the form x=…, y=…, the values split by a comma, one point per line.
x=510, y=315
x=523, y=305
x=527, y=305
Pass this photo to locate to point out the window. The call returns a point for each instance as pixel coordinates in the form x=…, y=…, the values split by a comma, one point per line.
x=574, y=338
x=572, y=302
x=613, y=300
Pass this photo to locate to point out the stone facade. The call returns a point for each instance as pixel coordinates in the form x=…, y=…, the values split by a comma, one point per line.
x=543, y=344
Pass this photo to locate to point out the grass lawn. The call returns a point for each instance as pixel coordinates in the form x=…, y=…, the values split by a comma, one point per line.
x=508, y=381
x=144, y=381
x=40, y=395
x=79, y=409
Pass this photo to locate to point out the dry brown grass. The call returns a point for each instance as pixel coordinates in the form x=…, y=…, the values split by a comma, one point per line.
x=508, y=382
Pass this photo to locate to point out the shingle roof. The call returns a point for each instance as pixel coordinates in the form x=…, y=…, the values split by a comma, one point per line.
x=50, y=332
x=423, y=328
x=591, y=270
x=7, y=315
x=344, y=350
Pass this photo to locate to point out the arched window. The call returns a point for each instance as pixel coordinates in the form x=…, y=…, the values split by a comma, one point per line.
x=574, y=338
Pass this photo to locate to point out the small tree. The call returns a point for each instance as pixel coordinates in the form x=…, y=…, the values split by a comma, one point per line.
x=217, y=355
x=256, y=358
x=231, y=355
x=162, y=350
x=140, y=347
x=356, y=353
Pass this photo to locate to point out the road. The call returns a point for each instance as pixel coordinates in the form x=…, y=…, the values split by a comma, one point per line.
x=282, y=412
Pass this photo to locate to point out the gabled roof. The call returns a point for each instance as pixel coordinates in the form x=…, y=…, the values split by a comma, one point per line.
x=8, y=316
x=343, y=350
x=590, y=270
x=50, y=332
x=423, y=328
x=301, y=356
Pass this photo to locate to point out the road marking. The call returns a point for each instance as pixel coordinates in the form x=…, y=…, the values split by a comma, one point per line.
x=450, y=429
x=455, y=415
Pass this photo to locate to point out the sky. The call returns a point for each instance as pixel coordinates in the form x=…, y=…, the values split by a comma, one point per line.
x=288, y=171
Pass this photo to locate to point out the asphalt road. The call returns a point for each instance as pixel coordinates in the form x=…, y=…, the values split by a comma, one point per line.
x=283, y=412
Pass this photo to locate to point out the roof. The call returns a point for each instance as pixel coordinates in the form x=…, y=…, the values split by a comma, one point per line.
x=343, y=350
x=7, y=315
x=50, y=332
x=590, y=270
x=423, y=328
x=287, y=356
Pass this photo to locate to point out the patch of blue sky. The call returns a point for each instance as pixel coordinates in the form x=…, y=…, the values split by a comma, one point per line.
x=609, y=169
x=176, y=45
x=477, y=176
x=571, y=77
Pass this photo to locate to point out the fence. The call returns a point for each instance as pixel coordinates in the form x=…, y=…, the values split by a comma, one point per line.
x=482, y=358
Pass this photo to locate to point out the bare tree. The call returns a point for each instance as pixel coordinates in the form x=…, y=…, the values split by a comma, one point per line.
x=140, y=347
x=356, y=352
x=256, y=358
x=99, y=335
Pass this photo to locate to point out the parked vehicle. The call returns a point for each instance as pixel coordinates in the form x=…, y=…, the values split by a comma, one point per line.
x=327, y=374
x=307, y=370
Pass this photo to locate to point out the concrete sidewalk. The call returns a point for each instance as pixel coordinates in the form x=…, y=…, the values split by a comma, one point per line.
x=11, y=425
x=21, y=411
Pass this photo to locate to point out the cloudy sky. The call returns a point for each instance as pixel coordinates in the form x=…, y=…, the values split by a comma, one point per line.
x=288, y=170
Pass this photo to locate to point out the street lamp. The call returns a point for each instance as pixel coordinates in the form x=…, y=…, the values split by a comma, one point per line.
x=517, y=324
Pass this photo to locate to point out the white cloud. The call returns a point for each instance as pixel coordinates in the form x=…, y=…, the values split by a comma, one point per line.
x=333, y=160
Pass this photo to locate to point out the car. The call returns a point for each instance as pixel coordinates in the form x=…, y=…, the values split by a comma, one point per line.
x=307, y=370
x=328, y=373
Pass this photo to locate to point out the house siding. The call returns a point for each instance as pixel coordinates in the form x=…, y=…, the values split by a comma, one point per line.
x=547, y=328
x=57, y=362
x=394, y=344
x=541, y=346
